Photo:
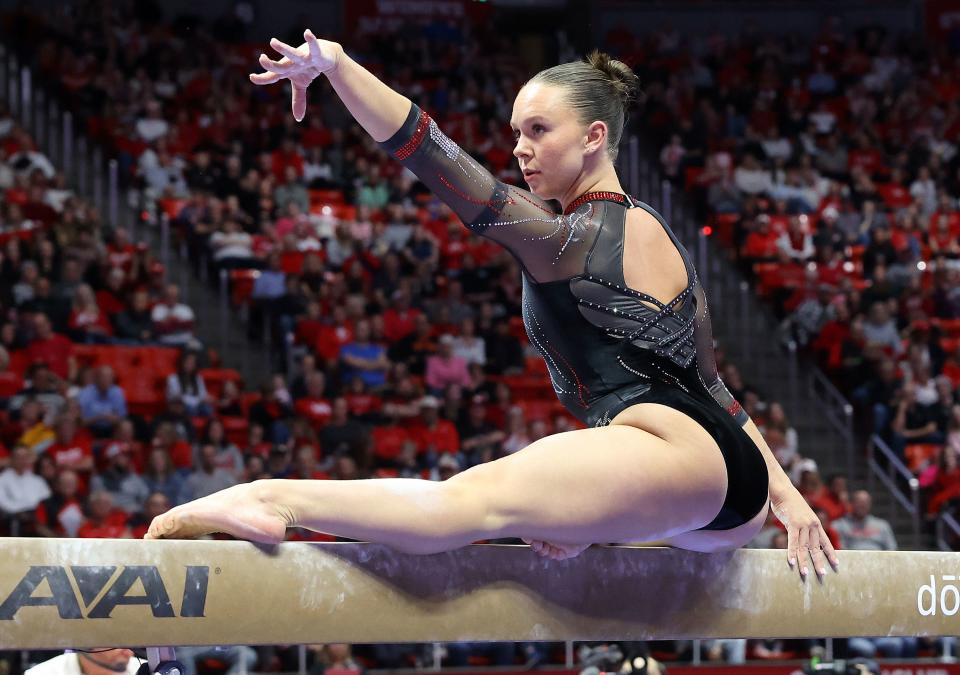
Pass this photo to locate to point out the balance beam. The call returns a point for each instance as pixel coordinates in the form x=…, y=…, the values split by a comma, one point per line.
x=86, y=593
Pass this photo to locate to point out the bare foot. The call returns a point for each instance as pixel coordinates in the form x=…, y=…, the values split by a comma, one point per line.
x=239, y=511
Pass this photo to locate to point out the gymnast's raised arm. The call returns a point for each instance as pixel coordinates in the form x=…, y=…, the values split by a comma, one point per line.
x=504, y=213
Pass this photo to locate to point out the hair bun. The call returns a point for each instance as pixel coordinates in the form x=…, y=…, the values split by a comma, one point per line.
x=621, y=76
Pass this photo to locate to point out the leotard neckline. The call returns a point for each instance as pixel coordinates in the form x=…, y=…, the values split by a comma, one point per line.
x=617, y=197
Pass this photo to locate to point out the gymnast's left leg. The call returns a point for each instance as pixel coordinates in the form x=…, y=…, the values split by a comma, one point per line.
x=608, y=484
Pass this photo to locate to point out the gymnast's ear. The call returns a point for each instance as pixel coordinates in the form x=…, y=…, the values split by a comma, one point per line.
x=596, y=137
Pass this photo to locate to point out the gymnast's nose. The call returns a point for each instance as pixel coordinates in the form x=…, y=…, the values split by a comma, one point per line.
x=521, y=150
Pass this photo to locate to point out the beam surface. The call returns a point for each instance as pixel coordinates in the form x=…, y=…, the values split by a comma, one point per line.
x=85, y=593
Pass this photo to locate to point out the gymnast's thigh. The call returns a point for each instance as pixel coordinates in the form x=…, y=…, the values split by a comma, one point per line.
x=607, y=484
x=711, y=541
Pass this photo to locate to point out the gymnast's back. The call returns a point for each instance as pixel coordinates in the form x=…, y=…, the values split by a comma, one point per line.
x=604, y=344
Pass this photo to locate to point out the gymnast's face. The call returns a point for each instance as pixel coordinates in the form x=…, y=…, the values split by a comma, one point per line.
x=552, y=147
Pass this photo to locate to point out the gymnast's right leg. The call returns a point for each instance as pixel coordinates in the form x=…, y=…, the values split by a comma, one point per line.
x=611, y=484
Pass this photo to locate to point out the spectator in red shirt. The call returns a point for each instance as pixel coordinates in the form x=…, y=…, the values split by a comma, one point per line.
x=894, y=194
x=761, y=243
x=435, y=435
x=360, y=401
x=946, y=206
x=168, y=440
x=120, y=250
x=796, y=244
x=52, y=348
x=87, y=323
x=61, y=514
x=314, y=405
x=865, y=155
x=104, y=521
x=287, y=155
x=455, y=247
x=943, y=238
x=836, y=498
x=72, y=450
x=110, y=299
x=400, y=318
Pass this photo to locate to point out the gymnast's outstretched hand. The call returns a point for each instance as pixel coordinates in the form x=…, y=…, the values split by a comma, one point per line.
x=239, y=511
x=805, y=534
x=301, y=65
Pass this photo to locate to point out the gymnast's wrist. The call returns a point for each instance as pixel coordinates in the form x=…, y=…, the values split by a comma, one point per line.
x=780, y=485
x=338, y=56
x=269, y=493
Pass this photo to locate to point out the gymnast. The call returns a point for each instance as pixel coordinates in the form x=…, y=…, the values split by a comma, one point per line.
x=615, y=307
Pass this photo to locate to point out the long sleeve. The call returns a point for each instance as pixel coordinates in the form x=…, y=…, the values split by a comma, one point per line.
x=707, y=362
x=547, y=244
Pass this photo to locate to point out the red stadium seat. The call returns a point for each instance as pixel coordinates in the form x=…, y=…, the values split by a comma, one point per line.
x=214, y=378
x=540, y=409
x=237, y=429
x=331, y=197
x=534, y=365
x=529, y=386
x=950, y=327
x=160, y=360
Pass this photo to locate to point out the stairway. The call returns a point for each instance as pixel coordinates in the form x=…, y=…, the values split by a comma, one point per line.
x=94, y=178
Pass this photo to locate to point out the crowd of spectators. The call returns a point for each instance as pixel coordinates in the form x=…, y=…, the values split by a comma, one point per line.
x=410, y=359
x=829, y=168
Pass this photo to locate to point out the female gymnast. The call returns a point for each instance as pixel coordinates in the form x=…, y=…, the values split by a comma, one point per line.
x=614, y=305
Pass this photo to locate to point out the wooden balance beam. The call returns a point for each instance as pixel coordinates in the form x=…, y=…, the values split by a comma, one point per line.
x=86, y=593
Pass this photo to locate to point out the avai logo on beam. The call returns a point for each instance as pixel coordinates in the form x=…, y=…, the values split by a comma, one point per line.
x=99, y=589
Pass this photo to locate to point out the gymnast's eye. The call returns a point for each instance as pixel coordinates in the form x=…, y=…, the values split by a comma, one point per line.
x=537, y=128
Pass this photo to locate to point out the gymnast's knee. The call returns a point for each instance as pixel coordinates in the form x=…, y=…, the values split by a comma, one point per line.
x=484, y=493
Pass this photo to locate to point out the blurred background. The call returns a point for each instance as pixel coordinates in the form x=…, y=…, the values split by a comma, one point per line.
x=196, y=290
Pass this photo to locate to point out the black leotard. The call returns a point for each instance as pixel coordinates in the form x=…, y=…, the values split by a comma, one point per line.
x=604, y=348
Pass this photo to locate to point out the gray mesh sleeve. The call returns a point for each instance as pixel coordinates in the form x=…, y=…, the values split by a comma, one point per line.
x=707, y=362
x=515, y=218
